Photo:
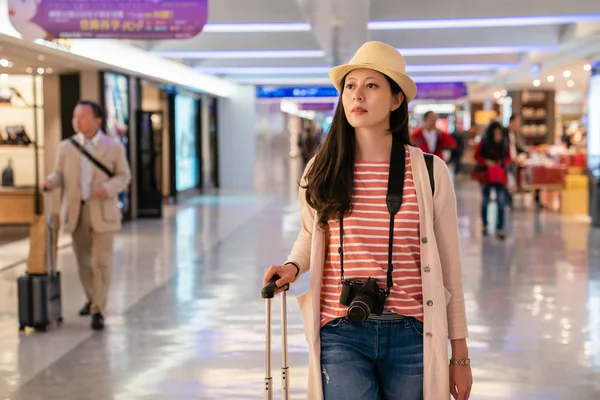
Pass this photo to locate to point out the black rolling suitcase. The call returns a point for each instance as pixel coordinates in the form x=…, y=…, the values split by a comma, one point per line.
x=40, y=294
x=268, y=292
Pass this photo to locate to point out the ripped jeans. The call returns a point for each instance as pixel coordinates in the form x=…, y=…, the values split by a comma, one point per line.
x=373, y=360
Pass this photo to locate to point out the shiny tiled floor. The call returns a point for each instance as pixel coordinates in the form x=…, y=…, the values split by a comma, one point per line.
x=186, y=319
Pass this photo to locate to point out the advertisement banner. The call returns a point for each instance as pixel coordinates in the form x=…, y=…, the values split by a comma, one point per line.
x=263, y=92
x=109, y=19
x=425, y=91
x=441, y=91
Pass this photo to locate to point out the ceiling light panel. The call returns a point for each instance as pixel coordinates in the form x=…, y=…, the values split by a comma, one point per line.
x=482, y=22
x=325, y=69
x=257, y=27
x=242, y=54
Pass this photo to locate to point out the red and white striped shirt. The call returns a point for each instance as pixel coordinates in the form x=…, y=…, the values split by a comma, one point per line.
x=366, y=239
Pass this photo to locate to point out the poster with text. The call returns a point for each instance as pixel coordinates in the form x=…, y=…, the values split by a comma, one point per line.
x=108, y=19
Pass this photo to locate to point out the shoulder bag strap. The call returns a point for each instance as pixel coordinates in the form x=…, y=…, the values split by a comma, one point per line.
x=429, y=164
x=394, y=197
x=93, y=159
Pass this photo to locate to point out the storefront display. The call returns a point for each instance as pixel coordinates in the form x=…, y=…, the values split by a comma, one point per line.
x=213, y=132
x=16, y=135
x=186, y=132
x=593, y=131
x=537, y=111
x=149, y=156
x=558, y=174
x=593, y=143
x=116, y=105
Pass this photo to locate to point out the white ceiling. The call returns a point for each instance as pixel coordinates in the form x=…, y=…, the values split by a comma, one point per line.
x=441, y=40
x=490, y=46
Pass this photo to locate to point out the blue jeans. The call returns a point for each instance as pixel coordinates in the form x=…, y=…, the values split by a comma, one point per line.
x=373, y=360
x=500, y=203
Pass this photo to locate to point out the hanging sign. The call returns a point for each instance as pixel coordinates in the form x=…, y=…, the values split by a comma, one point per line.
x=441, y=90
x=108, y=19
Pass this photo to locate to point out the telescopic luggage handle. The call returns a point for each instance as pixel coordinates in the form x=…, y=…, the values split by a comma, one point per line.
x=50, y=232
x=268, y=293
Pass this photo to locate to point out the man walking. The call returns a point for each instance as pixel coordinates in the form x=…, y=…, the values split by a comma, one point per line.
x=89, y=206
x=430, y=139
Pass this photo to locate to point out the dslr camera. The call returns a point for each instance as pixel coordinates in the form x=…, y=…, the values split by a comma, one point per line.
x=362, y=299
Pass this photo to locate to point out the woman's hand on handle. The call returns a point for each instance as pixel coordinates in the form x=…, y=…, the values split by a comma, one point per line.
x=287, y=274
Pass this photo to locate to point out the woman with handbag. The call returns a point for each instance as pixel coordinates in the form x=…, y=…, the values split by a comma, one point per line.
x=379, y=236
x=493, y=158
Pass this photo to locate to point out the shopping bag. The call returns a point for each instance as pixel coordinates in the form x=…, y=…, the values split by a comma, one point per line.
x=480, y=174
x=43, y=243
x=496, y=174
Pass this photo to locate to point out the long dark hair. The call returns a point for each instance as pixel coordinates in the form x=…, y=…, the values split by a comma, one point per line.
x=489, y=148
x=330, y=178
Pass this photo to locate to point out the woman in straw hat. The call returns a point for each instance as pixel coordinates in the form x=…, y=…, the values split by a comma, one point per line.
x=382, y=303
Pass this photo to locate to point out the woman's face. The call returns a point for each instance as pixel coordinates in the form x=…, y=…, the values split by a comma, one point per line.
x=498, y=135
x=367, y=99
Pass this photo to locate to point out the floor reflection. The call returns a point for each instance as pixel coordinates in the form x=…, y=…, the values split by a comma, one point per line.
x=186, y=322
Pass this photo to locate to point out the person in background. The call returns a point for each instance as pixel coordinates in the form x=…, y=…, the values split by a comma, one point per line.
x=566, y=138
x=493, y=158
x=89, y=206
x=430, y=139
x=461, y=138
x=512, y=135
x=308, y=142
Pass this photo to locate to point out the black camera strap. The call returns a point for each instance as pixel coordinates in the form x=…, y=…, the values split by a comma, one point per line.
x=393, y=200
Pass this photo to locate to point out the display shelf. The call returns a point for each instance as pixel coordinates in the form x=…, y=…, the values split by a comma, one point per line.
x=18, y=146
x=536, y=109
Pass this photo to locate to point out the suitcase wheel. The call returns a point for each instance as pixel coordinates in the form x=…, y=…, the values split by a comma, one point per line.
x=21, y=328
x=40, y=328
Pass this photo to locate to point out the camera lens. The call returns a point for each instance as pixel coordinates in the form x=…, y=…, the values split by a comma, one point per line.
x=360, y=308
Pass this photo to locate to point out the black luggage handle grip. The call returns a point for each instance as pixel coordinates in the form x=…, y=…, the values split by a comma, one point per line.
x=268, y=291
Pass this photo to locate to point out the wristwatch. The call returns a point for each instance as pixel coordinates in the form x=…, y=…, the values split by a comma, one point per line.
x=462, y=362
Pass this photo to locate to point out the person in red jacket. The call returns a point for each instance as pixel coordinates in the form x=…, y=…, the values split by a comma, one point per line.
x=431, y=139
x=493, y=159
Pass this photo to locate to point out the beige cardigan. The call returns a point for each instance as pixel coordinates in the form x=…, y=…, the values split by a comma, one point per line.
x=442, y=278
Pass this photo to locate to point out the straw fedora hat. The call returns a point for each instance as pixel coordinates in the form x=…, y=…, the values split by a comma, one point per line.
x=380, y=57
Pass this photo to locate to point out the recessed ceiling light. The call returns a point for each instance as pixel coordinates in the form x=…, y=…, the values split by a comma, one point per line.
x=29, y=70
x=497, y=95
x=503, y=92
x=3, y=76
x=567, y=73
x=41, y=57
x=550, y=78
x=49, y=70
x=587, y=67
x=537, y=83
x=40, y=70
x=570, y=83
x=4, y=63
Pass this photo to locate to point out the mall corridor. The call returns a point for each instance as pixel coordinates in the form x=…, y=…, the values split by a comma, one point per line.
x=186, y=319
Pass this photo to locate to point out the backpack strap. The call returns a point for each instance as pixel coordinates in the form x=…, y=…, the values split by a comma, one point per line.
x=429, y=163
